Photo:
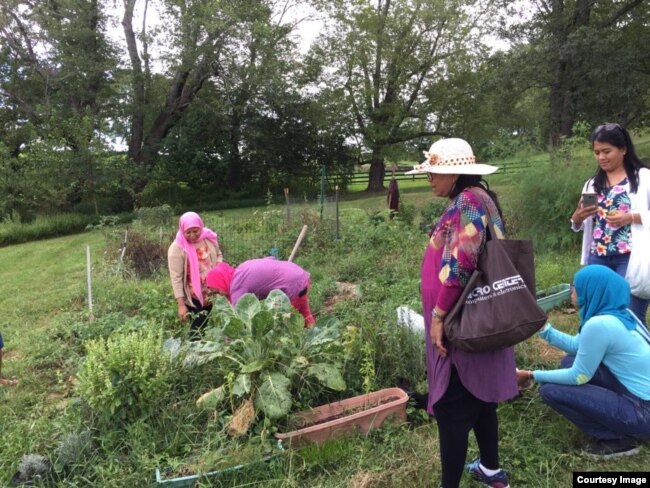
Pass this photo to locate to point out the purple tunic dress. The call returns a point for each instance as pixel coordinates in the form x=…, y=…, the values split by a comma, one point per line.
x=449, y=260
x=260, y=276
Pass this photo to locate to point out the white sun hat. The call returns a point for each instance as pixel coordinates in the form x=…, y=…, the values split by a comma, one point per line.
x=451, y=156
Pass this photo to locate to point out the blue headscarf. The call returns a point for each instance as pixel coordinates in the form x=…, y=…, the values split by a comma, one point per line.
x=601, y=291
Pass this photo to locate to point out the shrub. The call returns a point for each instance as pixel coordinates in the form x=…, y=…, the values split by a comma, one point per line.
x=431, y=213
x=160, y=216
x=32, y=468
x=125, y=378
x=406, y=213
x=13, y=231
x=544, y=200
x=73, y=449
x=145, y=255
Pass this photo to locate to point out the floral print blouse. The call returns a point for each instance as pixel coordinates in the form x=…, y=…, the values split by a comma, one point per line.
x=205, y=265
x=608, y=240
x=461, y=233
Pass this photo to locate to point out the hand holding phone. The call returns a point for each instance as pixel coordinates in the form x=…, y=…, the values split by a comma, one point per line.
x=589, y=199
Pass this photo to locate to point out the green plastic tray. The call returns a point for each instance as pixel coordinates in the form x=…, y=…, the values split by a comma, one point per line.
x=554, y=297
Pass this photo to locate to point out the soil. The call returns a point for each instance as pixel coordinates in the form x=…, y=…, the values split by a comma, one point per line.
x=344, y=291
x=366, y=480
x=345, y=413
x=548, y=353
x=12, y=355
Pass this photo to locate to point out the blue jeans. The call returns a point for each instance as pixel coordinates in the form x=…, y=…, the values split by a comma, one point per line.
x=618, y=263
x=602, y=408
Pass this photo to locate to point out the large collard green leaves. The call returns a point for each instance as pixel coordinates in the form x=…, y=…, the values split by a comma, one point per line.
x=265, y=350
x=328, y=374
x=273, y=396
x=278, y=301
x=242, y=385
x=247, y=308
x=212, y=399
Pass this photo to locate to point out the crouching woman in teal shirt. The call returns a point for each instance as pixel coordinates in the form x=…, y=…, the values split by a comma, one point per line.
x=604, y=384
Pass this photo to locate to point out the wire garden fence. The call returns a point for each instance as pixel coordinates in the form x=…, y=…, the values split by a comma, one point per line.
x=141, y=248
x=273, y=231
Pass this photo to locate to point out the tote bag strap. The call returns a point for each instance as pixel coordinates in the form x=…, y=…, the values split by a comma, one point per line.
x=641, y=329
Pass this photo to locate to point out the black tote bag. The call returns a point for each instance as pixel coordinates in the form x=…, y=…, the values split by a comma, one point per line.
x=497, y=308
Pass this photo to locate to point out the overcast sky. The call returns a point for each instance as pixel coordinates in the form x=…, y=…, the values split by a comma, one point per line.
x=305, y=33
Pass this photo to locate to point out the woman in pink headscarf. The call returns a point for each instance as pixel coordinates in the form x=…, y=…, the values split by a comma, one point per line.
x=192, y=254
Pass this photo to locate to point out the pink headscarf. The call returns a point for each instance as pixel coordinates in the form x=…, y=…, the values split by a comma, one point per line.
x=220, y=277
x=187, y=221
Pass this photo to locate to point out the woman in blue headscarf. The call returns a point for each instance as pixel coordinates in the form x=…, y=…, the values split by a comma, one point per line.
x=604, y=384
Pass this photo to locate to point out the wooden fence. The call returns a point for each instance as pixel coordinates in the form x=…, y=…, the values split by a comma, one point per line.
x=361, y=177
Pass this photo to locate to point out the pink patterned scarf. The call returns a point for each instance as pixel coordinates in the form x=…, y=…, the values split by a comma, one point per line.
x=187, y=221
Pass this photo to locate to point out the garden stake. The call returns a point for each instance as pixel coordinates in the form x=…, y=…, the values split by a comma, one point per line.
x=90, y=289
x=298, y=241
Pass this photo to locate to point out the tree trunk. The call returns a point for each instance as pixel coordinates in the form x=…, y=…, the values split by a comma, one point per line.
x=136, y=116
x=377, y=171
x=561, y=105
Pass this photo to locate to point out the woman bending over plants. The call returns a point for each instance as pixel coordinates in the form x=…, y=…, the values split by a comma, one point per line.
x=259, y=277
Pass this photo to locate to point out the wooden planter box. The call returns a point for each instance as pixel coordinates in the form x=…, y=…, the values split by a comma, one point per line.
x=356, y=414
x=554, y=297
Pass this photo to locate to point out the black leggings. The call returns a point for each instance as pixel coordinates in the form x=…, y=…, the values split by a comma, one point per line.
x=458, y=412
x=199, y=318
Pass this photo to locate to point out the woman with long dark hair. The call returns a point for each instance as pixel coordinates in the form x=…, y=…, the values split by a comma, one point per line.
x=618, y=214
x=464, y=387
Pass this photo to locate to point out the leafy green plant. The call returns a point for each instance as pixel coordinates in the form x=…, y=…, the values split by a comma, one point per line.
x=431, y=213
x=273, y=359
x=124, y=377
x=368, y=367
x=406, y=213
x=105, y=221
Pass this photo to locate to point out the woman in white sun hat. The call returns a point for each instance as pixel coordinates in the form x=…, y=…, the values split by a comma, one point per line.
x=464, y=387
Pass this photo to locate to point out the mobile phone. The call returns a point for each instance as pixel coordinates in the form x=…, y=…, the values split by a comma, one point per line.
x=589, y=199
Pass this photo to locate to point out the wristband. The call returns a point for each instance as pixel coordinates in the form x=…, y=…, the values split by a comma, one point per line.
x=436, y=314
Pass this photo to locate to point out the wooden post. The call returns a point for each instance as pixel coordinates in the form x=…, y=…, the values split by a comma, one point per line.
x=286, y=198
x=298, y=241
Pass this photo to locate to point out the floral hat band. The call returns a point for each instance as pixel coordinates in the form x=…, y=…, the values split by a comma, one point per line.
x=451, y=156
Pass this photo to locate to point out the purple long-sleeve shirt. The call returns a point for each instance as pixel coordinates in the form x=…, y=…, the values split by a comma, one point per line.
x=449, y=260
x=260, y=276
